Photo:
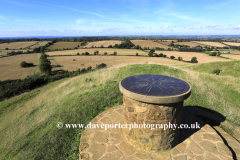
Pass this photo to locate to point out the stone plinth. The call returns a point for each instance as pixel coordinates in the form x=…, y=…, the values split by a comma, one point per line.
x=151, y=102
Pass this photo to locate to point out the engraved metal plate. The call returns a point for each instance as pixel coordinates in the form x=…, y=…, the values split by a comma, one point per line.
x=155, y=85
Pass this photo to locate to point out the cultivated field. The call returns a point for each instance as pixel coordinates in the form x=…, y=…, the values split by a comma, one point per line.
x=39, y=44
x=235, y=57
x=67, y=62
x=10, y=66
x=101, y=51
x=17, y=45
x=61, y=45
x=190, y=44
x=104, y=43
x=232, y=43
x=4, y=52
x=163, y=42
x=214, y=44
x=150, y=44
x=187, y=56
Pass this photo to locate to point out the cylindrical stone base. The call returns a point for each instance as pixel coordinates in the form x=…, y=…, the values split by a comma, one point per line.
x=147, y=139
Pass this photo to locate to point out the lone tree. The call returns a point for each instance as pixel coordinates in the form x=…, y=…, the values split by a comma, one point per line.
x=150, y=54
x=45, y=64
x=194, y=60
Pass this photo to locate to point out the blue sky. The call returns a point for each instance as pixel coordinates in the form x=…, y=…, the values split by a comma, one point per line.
x=118, y=17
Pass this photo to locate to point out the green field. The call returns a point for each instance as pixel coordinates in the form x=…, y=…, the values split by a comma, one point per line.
x=28, y=121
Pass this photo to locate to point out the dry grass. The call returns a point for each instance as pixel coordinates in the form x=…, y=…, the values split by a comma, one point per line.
x=101, y=51
x=104, y=43
x=148, y=43
x=232, y=43
x=17, y=45
x=4, y=52
x=10, y=66
x=39, y=44
x=214, y=44
x=86, y=61
x=187, y=56
x=190, y=44
x=61, y=45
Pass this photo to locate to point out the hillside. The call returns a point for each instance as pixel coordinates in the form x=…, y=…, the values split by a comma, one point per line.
x=28, y=121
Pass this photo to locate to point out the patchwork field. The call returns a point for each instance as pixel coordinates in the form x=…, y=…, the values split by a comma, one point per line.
x=150, y=44
x=39, y=44
x=61, y=45
x=187, y=56
x=4, y=52
x=17, y=45
x=232, y=43
x=67, y=62
x=101, y=51
x=10, y=66
x=190, y=44
x=214, y=44
x=104, y=43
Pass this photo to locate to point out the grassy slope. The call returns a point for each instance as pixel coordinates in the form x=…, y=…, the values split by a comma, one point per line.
x=28, y=122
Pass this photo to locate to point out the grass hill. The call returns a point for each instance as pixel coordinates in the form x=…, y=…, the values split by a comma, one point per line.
x=28, y=121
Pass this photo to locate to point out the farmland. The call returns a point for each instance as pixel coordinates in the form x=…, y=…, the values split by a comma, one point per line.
x=17, y=45
x=67, y=62
x=10, y=66
x=190, y=44
x=232, y=43
x=101, y=51
x=214, y=44
x=150, y=44
x=235, y=57
x=201, y=57
x=102, y=43
x=39, y=44
x=4, y=52
x=62, y=45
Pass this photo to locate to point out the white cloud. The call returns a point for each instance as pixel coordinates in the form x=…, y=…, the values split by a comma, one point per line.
x=165, y=27
x=111, y=30
x=190, y=27
x=79, y=21
x=3, y=18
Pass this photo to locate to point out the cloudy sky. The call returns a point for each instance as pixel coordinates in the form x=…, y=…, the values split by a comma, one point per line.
x=20, y=18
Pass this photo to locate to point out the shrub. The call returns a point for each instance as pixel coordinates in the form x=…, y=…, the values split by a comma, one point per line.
x=194, y=60
x=216, y=71
x=110, y=46
x=83, y=70
x=212, y=53
x=218, y=54
x=101, y=46
x=136, y=54
x=78, y=54
x=89, y=68
x=83, y=53
x=102, y=65
x=105, y=53
x=160, y=55
x=86, y=53
x=115, y=53
x=150, y=54
x=180, y=58
x=88, y=79
x=164, y=55
x=6, y=48
x=24, y=64
x=172, y=57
